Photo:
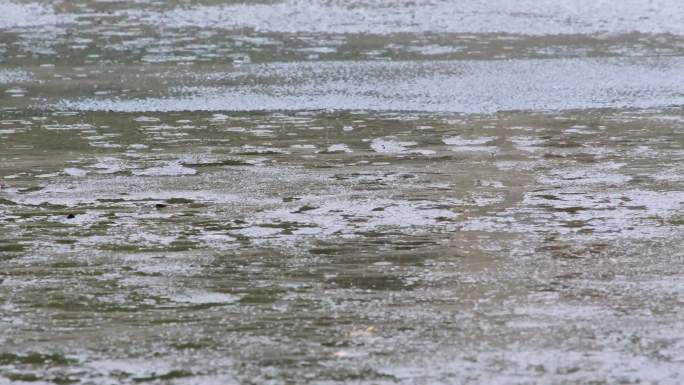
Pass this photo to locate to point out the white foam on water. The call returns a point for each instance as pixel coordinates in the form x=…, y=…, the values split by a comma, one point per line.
x=171, y=169
x=304, y=146
x=85, y=219
x=13, y=76
x=487, y=149
x=389, y=146
x=110, y=165
x=604, y=173
x=633, y=213
x=433, y=86
x=341, y=217
x=16, y=15
x=144, y=238
x=460, y=141
x=259, y=231
x=197, y=297
x=78, y=126
x=527, y=143
x=137, y=368
x=147, y=119
x=216, y=240
x=340, y=147
x=527, y=17
x=673, y=174
x=75, y=172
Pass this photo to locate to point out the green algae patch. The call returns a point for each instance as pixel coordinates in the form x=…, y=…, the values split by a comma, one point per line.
x=35, y=359
x=12, y=248
x=166, y=376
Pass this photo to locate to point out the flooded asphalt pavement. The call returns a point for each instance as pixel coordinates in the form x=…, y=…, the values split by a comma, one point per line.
x=327, y=192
